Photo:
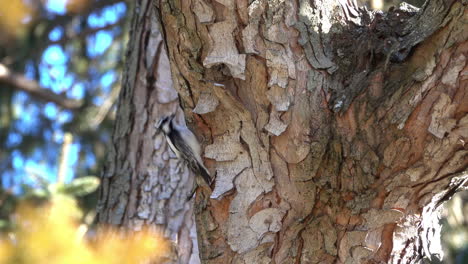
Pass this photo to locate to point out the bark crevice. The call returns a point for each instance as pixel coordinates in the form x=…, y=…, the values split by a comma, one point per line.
x=333, y=131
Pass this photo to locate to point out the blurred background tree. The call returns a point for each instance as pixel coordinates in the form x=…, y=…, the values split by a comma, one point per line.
x=60, y=67
x=60, y=63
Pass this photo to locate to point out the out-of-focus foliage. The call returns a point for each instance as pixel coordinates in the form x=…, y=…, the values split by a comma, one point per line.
x=77, y=187
x=52, y=234
x=45, y=192
x=66, y=50
x=455, y=229
x=72, y=49
x=12, y=15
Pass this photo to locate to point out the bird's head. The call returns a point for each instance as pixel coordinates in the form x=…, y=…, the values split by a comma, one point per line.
x=164, y=124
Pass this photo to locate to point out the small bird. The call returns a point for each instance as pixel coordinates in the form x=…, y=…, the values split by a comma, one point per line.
x=185, y=145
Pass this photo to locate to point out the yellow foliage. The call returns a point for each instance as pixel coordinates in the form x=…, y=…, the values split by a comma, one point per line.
x=51, y=235
x=12, y=14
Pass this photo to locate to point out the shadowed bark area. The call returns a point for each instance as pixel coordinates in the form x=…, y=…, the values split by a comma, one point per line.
x=142, y=184
x=335, y=133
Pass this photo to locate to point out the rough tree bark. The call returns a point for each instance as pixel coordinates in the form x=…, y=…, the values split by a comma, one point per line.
x=335, y=133
x=141, y=182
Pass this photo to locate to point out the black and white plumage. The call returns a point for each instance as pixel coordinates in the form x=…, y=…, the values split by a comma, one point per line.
x=185, y=145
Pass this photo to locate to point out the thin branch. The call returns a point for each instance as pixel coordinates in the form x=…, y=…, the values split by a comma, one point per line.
x=20, y=82
x=105, y=107
x=63, y=158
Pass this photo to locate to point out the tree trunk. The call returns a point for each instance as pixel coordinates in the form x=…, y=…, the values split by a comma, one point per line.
x=141, y=183
x=334, y=133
